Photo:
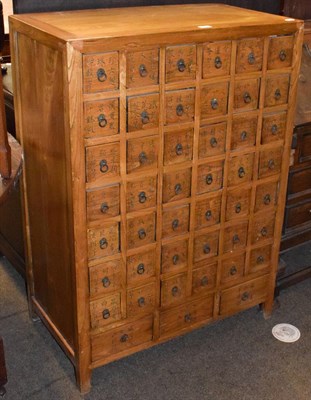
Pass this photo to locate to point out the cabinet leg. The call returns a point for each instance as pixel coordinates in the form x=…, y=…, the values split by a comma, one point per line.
x=83, y=378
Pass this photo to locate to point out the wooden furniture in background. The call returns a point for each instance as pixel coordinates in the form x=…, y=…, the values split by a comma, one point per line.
x=3, y=373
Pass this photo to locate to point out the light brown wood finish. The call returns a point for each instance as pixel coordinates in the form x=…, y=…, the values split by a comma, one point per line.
x=5, y=149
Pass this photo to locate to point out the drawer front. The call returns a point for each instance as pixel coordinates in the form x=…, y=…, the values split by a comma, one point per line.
x=207, y=212
x=212, y=140
x=235, y=237
x=240, y=169
x=244, y=296
x=140, y=231
x=214, y=100
x=206, y=246
x=298, y=181
x=106, y=277
x=104, y=241
x=142, y=68
x=246, y=94
x=176, y=185
x=210, y=177
x=105, y=311
x=280, y=53
x=263, y=227
x=273, y=127
x=238, y=203
x=102, y=162
x=175, y=221
x=178, y=146
x=249, y=55
x=243, y=132
x=121, y=339
x=174, y=256
x=142, y=112
x=304, y=145
x=270, y=162
x=204, y=278
x=180, y=63
x=232, y=269
x=142, y=154
x=141, y=300
x=260, y=259
x=173, y=290
x=141, y=194
x=100, y=72
x=140, y=266
x=266, y=195
x=179, y=106
x=101, y=118
x=277, y=88
x=299, y=214
x=102, y=204
x=216, y=59
x=186, y=315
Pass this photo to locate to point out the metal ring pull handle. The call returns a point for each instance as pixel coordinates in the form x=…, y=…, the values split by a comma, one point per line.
x=214, y=104
x=106, y=282
x=103, y=243
x=235, y=239
x=141, y=302
x=209, y=179
x=213, y=142
x=264, y=231
x=233, y=270
x=218, y=62
x=181, y=66
x=142, y=234
x=267, y=199
x=179, y=110
x=178, y=188
x=179, y=149
x=102, y=121
x=103, y=166
x=241, y=172
x=260, y=260
x=271, y=164
x=282, y=55
x=142, y=157
x=238, y=208
x=101, y=75
x=175, y=224
x=274, y=129
x=124, y=338
x=251, y=58
x=175, y=259
x=106, y=313
x=247, y=98
x=208, y=215
x=187, y=318
x=245, y=296
x=277, y=94
x=143, y=70
x=206, y=249
x=104, y=208
x=145, y=117
x=204, y=281
x=142, y=198
x=243, y=135
x=140, y=268
x=175, y=290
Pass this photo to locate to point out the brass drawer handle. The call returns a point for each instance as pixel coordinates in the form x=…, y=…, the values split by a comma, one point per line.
x=208, y=215
x=175, y=224
x=206, y=249
x=213, y=142
x=103, y=166
x=245, y=296
x=264, y=231
x=267, y=199
x=251, y=58
x=140, y=269
x=282, y=55
x=214, y=104
x=144, y=117
x=106, y=282
x=104, y=208
x=103, y=243
x=204, y=281
x=143, y=70
x=141, y=302
x=218, y=62
x=142, y=198
x=187, y=318
x=142, y=234
x=102, y=121
x=178, y=188
x=209, y=179
x=271, y=164
x=241, y=172
x=142, y=157
x=274, y=129
x=238, y=208
x=124, y=338
x=179, y=149
x=235, y=239
x=181, y=66
x=101, y=75
x=175, y=259
x=277, y=94
x=179, y=110
x=233, y=270
x=106, y=313
x=260, y=260
x=247, y=98
x=243, y=135
x=175, y=291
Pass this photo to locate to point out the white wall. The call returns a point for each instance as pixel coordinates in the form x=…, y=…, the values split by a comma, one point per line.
x=7, y=10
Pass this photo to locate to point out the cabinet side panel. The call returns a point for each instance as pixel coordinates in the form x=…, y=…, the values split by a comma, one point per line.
x=42, y=133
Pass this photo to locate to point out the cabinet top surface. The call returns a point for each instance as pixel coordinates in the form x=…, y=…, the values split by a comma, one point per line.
x=137, y=21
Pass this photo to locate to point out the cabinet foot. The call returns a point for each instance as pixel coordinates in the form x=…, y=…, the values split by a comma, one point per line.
x=83, y=379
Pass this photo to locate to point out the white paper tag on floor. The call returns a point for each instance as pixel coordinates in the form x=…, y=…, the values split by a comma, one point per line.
x=286, y=333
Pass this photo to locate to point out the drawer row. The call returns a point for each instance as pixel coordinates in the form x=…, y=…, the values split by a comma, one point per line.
x=101, y=117
x=101, y=71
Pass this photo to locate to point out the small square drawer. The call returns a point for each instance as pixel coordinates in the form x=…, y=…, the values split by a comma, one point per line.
x=273, y=127
x=101, y=118
x=299, y=180
x=179, y=106
x=141, y=194
x=232, y=269
x=216, y=59
x=266, y=195
x=214, y=99
x=204, y=278
x=102, y=162
x=206, y=246
x=142, y=68
x=140, y=266
x=100, y=72
x=244, y=131
x=277, y=88
x=106, y=310
x=176, y=185
x=178, y=146
x=142, y=112
x=141, y=300
x=122, y=339
x=262, y=227
x=103, y=241
x=238, y=202
x=106, y=277
x=175, y=221
x=140, y=231
x=186, y=315
x=142, y=153
x=270, y=162
x=260, y=259
x=180, y=63
x=103, y=203
x=280, y=53
x=212, y=140
x=173, y=289
x=235, y=237
x=244, y=296
x=207, y=212
x=240, y=169
x=174, y=256
x=249, y=55
x=246, y=94
x=210, y=177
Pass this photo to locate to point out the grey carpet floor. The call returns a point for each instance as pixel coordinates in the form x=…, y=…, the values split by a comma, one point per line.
x=234, y=359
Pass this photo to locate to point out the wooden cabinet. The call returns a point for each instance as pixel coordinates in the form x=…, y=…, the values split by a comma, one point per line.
x=155, y=169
